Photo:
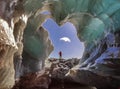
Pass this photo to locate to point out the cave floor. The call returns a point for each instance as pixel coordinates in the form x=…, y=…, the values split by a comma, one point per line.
x=58, y=84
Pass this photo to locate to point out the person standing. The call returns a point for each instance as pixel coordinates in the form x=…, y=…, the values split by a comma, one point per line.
x=60, y=55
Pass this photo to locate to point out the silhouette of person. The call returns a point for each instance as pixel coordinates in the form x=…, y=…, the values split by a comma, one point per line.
x=60, y=55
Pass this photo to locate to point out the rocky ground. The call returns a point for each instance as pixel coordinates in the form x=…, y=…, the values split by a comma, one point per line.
x=64, y=74
x=38, y=81
x=51, y=78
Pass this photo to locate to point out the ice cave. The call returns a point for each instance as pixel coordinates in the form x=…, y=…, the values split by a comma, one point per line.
x=59, y=44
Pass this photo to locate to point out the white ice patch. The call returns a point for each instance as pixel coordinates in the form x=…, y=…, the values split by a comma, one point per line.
x=24, y=18
x=7, y=33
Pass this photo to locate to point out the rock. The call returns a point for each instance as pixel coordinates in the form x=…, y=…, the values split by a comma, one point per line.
x=63, y=84
x=59, y=67
x=38, y=80
x=87, y=77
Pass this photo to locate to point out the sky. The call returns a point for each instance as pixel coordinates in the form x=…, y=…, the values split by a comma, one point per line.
x=64, y=38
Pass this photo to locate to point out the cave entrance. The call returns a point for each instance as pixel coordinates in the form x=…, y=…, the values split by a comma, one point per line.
x=64, y=39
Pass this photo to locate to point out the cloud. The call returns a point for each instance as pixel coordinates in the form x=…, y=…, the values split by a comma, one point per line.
x=66, y=39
